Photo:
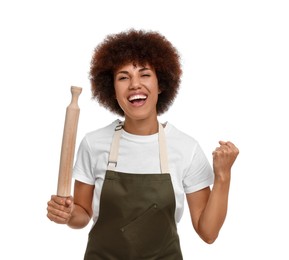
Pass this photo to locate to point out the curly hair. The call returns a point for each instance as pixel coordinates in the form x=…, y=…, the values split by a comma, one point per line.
x=140, y=47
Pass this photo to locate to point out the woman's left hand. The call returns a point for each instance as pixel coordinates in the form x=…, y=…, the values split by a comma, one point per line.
x=224, y=157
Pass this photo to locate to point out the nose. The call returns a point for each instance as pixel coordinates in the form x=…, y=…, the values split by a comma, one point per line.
x=135, y=83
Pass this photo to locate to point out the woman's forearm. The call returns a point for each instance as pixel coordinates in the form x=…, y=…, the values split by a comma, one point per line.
x=79, y=218
x=213, y=216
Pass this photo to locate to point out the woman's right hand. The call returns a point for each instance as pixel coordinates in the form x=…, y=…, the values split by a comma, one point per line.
x=60, y=209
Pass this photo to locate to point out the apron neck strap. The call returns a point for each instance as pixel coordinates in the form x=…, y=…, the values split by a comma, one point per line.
x=112, y=161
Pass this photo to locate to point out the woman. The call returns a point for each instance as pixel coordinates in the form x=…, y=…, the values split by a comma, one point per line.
x=131, y=176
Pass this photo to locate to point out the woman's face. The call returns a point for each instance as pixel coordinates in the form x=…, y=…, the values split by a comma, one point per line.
x=136, y=90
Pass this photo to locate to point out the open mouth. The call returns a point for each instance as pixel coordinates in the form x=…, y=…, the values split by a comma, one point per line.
x=138, y=99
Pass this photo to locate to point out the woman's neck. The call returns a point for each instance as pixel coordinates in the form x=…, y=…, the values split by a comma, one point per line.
x=141, y=127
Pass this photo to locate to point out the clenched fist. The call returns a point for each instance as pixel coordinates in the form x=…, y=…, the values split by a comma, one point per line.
x=224, y=157
x=60, y=209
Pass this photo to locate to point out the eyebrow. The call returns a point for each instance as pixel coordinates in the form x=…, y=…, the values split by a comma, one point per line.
x=126, y=72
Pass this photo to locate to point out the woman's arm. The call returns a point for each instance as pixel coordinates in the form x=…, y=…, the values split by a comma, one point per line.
x=82, y=212
x=75, y=211
x=208, y=208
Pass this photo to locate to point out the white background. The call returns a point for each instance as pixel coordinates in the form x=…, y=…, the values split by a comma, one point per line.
x=235, y=60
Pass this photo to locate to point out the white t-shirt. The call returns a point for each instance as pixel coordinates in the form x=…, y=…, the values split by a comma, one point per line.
x=189, y=168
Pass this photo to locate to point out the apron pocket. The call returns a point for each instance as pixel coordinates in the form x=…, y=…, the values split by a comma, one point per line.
x=147, y=234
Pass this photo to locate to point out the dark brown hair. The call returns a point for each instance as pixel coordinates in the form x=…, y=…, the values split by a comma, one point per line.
x=140, y=47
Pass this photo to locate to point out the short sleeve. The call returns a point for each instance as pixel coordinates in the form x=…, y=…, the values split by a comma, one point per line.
x=83, y=169
x=199, y=173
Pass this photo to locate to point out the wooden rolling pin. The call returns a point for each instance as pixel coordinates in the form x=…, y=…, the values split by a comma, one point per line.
x=68, y=145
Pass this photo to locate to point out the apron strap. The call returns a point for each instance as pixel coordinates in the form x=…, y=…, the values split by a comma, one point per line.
x=163, y=150
x=112, y=161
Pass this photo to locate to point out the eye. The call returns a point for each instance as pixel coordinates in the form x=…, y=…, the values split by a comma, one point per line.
x=122, y=78
x=145, y=75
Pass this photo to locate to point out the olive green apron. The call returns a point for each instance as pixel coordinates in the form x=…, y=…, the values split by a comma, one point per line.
x=137, y=213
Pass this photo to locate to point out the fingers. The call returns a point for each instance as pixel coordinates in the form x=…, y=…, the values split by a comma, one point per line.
x=228, y=143
x=224, y=156
x=59, y=219
x=227, y=146
x=224, y=147
x=59, y=209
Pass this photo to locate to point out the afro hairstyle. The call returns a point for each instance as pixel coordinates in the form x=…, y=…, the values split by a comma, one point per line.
x=139, y=47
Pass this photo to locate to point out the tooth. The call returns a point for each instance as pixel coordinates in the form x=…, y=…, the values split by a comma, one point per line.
x=137, y=97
